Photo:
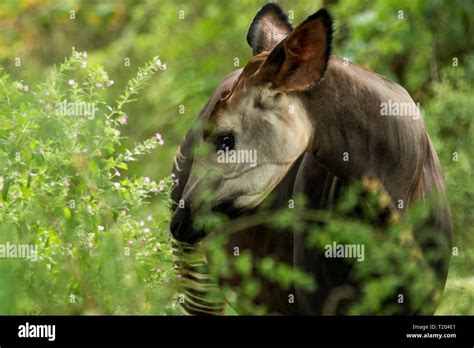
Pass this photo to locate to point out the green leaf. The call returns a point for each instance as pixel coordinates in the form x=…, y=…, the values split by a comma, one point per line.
x=123, y=166
x=67, y=212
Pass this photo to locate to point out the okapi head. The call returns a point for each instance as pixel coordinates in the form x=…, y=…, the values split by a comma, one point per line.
x=259, y=127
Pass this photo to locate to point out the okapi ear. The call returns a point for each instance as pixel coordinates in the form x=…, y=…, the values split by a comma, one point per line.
x=299, y=62
x=269, y=27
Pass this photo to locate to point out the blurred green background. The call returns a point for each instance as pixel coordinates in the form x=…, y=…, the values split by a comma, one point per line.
x=426, y=46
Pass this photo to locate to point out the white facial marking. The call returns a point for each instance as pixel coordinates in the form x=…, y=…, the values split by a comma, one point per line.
x=275, y=128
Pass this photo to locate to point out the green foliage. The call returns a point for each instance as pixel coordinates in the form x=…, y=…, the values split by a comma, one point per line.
x=403, y=39
x=63, y=191
x=449, y=118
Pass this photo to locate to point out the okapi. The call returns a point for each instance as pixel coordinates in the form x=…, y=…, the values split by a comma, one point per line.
x=301, y=109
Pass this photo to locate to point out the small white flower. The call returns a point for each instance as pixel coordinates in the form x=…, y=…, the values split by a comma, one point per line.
x=110, y=83
x=89, y=210
x=160, y=65
x=84, y=54
x=98, y=84
x=23, y=88
x=100, y=228
x=71, y=82
x=146, y=180
x=159, y=137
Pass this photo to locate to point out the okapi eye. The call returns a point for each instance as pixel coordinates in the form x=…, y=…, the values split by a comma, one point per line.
x=225, y=141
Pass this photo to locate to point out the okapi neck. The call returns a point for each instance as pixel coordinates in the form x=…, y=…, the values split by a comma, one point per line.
x=353, y=139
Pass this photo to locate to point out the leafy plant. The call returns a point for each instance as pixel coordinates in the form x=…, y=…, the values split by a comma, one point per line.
x=64, y=191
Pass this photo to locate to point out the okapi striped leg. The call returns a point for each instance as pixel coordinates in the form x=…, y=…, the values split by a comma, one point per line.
x=199, y=291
